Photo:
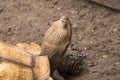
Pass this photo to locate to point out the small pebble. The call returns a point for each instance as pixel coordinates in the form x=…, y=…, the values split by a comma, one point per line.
x=80, y=37
x=91, y=42
x=85, y=48
x=74, y=12
x=59, y=8
x=105, y=56
x=115, y=30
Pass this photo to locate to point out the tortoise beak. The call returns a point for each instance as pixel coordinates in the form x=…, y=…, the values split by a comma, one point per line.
x=64, y=19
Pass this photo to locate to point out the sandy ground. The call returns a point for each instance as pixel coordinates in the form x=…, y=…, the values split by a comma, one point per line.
x=96, y=31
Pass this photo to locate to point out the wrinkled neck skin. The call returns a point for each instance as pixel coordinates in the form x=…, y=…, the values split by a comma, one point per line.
x=55, y=55
x=54, y=63
x=55, y=60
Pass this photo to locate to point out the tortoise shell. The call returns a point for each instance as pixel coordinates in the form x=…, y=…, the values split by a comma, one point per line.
x=21, y=62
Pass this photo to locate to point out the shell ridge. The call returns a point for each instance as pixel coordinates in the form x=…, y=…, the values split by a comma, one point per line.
x=15, y=62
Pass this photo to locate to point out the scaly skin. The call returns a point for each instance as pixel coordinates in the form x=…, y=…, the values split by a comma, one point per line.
x=56, y=40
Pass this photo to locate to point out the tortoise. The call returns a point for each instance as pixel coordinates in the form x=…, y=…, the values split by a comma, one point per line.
x=48, y=62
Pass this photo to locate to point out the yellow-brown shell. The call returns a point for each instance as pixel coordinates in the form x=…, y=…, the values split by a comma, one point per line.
x=21, y=62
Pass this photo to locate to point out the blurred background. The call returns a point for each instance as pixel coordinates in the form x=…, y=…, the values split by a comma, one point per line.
x=96, y=31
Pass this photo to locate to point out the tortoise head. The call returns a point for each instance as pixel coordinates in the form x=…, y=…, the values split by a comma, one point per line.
x=64, y=25
x=60, y=32
x=57, y=37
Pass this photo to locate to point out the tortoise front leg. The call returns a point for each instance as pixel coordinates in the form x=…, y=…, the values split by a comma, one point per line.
x=71, y=64
x=57, y=76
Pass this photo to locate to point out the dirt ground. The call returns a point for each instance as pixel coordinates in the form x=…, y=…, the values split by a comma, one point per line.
x=96, y=31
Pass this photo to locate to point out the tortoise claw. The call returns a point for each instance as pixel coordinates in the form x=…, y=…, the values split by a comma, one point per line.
x=57, y=76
